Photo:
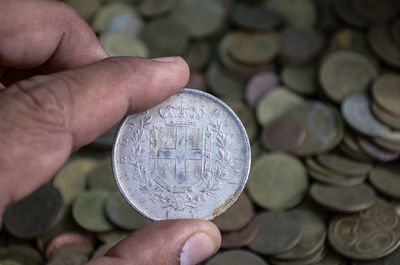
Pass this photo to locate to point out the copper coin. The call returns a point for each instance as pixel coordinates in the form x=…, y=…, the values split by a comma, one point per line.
x=283, y=134
x=242, y=236
x=258, y=85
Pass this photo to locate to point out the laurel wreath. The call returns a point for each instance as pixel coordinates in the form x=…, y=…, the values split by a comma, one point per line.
x=177, y=198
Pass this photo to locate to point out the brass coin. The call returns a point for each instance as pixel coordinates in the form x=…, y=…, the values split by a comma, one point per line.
x=356, y=112
x=344, y=165
x=71, y=179
x=242, y=236
x=276, y=103
x=386, y=179
x=279, y=232
x=383, y=45
x=314, y=234
x=369, y=235
x=386, y=92
x=283, y=134
x=344, y=199
x=386, y=117
x=88, y=211
x=35, y=214
x=236, y=257
x=375, y=151
x=343, y=73
x=237, y=216
x=277, y=181
x=121, y=214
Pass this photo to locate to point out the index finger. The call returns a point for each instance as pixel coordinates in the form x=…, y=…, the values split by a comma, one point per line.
x=45, y=33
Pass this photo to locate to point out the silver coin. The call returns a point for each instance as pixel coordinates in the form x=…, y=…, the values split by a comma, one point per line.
x=188, y=157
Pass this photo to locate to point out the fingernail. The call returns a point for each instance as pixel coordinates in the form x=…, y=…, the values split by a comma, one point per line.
x=165, y=59
x=197, y=248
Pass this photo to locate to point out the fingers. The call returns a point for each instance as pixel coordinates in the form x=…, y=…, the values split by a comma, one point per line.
x=44, y=118
x=45, y=33
x=184, y=242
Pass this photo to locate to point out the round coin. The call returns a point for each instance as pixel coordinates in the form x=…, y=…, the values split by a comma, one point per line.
x=345, y=72
x=101, y=177
x=386, y=179
x=344, y=199
x=236, y=257
x=383, y=44
x=369, y=235
x=344, y=165
x=386, y=92
x=151, y=8
x=255, y=17
x=302, y=80
x=279, y=232
x=222, y=83
x=277, y=181
x=242, y=236
x=121, y=214
x=23, y=255
x=237, y=216
x=119, y=44
x=260, y=84
x=376, y=151
x=197, y=55
x=283, y=134
x=88, y=211
x=35, y=214
x=356, y=112
x=300, y=13
x=350, y=39
x=385, y=117
x=188, y=157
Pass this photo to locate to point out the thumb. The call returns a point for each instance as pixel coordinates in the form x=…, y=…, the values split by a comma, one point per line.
x=180, y=242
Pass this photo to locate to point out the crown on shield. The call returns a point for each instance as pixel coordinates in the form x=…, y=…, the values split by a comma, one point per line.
x=181, y=115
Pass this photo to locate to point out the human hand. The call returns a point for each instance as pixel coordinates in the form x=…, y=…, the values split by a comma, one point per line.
x=61, y=92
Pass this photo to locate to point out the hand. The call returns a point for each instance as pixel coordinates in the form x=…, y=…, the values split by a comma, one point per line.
x=61, y=92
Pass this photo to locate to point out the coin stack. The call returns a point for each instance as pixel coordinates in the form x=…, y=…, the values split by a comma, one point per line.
x=316, y=84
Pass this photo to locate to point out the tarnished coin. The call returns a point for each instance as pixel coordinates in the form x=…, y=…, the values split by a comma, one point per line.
x=310, y=259
x=276, y=103
x=101, y=177
x=302, y=80
x=385, y=117
x=119, y=44
x=332, y=258
x=151, y=8
x=102, y=250
x=344, y=165
x=313, y=236
x=113, y=236
x=237, y=216
x=121, y=214
x=68, y=239
x=279, y=232
x=350, y=39
x=346, y=11
x=344, y=199
x=300, y=13
x=383, y=44
x=356, y=112
x=236, y=257
x=188, y=157
x=389, y=142
x=391, y=259
x=242, y=236
x=386, y=92
x=386, y=179
x=345, y=72
x=221, y=83
x=283, y=134
x=35, y=214
x=70, y=255
x=374, y=11
x=23, y=255
x=255, y=17
x=88, y=211
x=376, y=151
x=197, y=55
x=260, y=84
x=369, y=235
x=277, y=181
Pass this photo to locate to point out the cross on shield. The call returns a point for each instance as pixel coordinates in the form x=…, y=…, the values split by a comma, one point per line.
x=181, y=145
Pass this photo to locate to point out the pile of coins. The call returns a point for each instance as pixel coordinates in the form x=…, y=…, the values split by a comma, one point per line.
x=316, y=84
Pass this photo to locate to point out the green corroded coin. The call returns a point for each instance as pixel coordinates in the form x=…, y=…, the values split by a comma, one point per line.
x=201, y=18
x=245, y=115
x=237, y=216
x=72, y=177
x=386, y=179
x=313, y=236
x=253, y=48
x=276, y=103
x=277, y=181
x=164, y=37
x=356, y=112
x=222, y=83
x=345, y=72
x=279, y=232
x=119, y=44
x=386, y=93
x=121, y=214
x=383, y=45
x=344, y=199
x=21, y=255
x=344, y=165
x=101, y=177
x=296, y=12
x=302, y=80
x=236, y=257
x=88, y=211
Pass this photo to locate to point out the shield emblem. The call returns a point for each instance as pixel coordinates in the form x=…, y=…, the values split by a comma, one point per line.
x=179, y=154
